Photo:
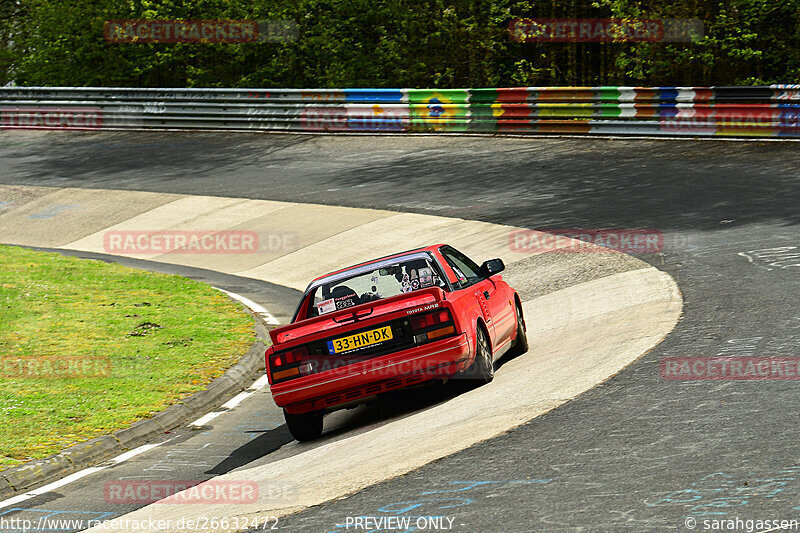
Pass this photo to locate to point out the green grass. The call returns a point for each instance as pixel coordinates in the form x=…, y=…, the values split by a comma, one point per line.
x=54, y=307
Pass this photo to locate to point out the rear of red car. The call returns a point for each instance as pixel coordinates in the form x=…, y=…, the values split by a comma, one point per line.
x=329, y=361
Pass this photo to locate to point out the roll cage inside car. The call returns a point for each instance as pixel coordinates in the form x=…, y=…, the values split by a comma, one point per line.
x=366, y=268
x=465, y=271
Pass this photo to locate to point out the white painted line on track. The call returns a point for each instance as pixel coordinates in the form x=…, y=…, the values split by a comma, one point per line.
x=205, y=419
x=236, y=400
x=78, y=475
x=259, y=384
x=136, y=451
x=259, y=309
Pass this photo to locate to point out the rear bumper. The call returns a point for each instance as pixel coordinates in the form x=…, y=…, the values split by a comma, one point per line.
x=360, y=380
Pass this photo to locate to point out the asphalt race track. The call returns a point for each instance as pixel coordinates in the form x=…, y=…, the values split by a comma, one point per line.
x=637, y=453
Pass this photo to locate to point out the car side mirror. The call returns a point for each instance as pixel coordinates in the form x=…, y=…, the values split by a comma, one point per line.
x=492, y=267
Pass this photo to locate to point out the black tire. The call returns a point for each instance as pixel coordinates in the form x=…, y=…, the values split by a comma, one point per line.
x=520, y=345
x=305, y=427
x=481, y=371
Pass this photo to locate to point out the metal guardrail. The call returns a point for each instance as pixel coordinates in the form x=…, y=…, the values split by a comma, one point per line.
x=768, y=111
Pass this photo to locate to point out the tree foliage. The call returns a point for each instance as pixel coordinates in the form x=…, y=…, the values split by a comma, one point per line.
x=397, y=43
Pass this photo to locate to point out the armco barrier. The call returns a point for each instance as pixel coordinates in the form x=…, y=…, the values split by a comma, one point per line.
x=769, y=111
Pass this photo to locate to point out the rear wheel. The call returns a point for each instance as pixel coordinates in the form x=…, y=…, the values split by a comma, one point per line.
x=520, y=345
x=482, y=369
x=304, y=427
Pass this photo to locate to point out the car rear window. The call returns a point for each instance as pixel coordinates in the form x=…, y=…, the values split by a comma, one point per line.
x=404, y=275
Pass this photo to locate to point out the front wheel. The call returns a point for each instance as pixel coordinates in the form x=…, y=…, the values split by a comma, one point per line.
x=304, y=427
x=481, y=371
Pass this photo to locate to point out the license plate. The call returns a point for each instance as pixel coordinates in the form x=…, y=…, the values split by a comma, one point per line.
x=360, y=340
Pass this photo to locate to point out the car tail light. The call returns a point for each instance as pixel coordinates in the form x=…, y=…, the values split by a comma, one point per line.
x=288, y=364
x=430, y=319
x=288, y=357
x=285, y=374
x=435, y=334
x=433, y=325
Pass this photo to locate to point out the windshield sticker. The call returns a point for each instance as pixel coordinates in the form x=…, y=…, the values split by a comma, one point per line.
x=326, y=306
x=425, y=277
x=405, y=286
x=343, y=302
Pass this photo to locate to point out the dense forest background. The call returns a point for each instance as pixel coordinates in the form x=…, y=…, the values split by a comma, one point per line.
x=397, y=43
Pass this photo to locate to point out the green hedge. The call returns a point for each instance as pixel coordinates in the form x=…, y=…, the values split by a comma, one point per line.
x=398, y=43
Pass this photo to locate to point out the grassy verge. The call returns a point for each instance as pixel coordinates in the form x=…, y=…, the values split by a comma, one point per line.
x=88, y=347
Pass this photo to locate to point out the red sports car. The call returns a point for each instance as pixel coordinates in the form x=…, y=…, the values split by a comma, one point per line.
x=387, y=324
